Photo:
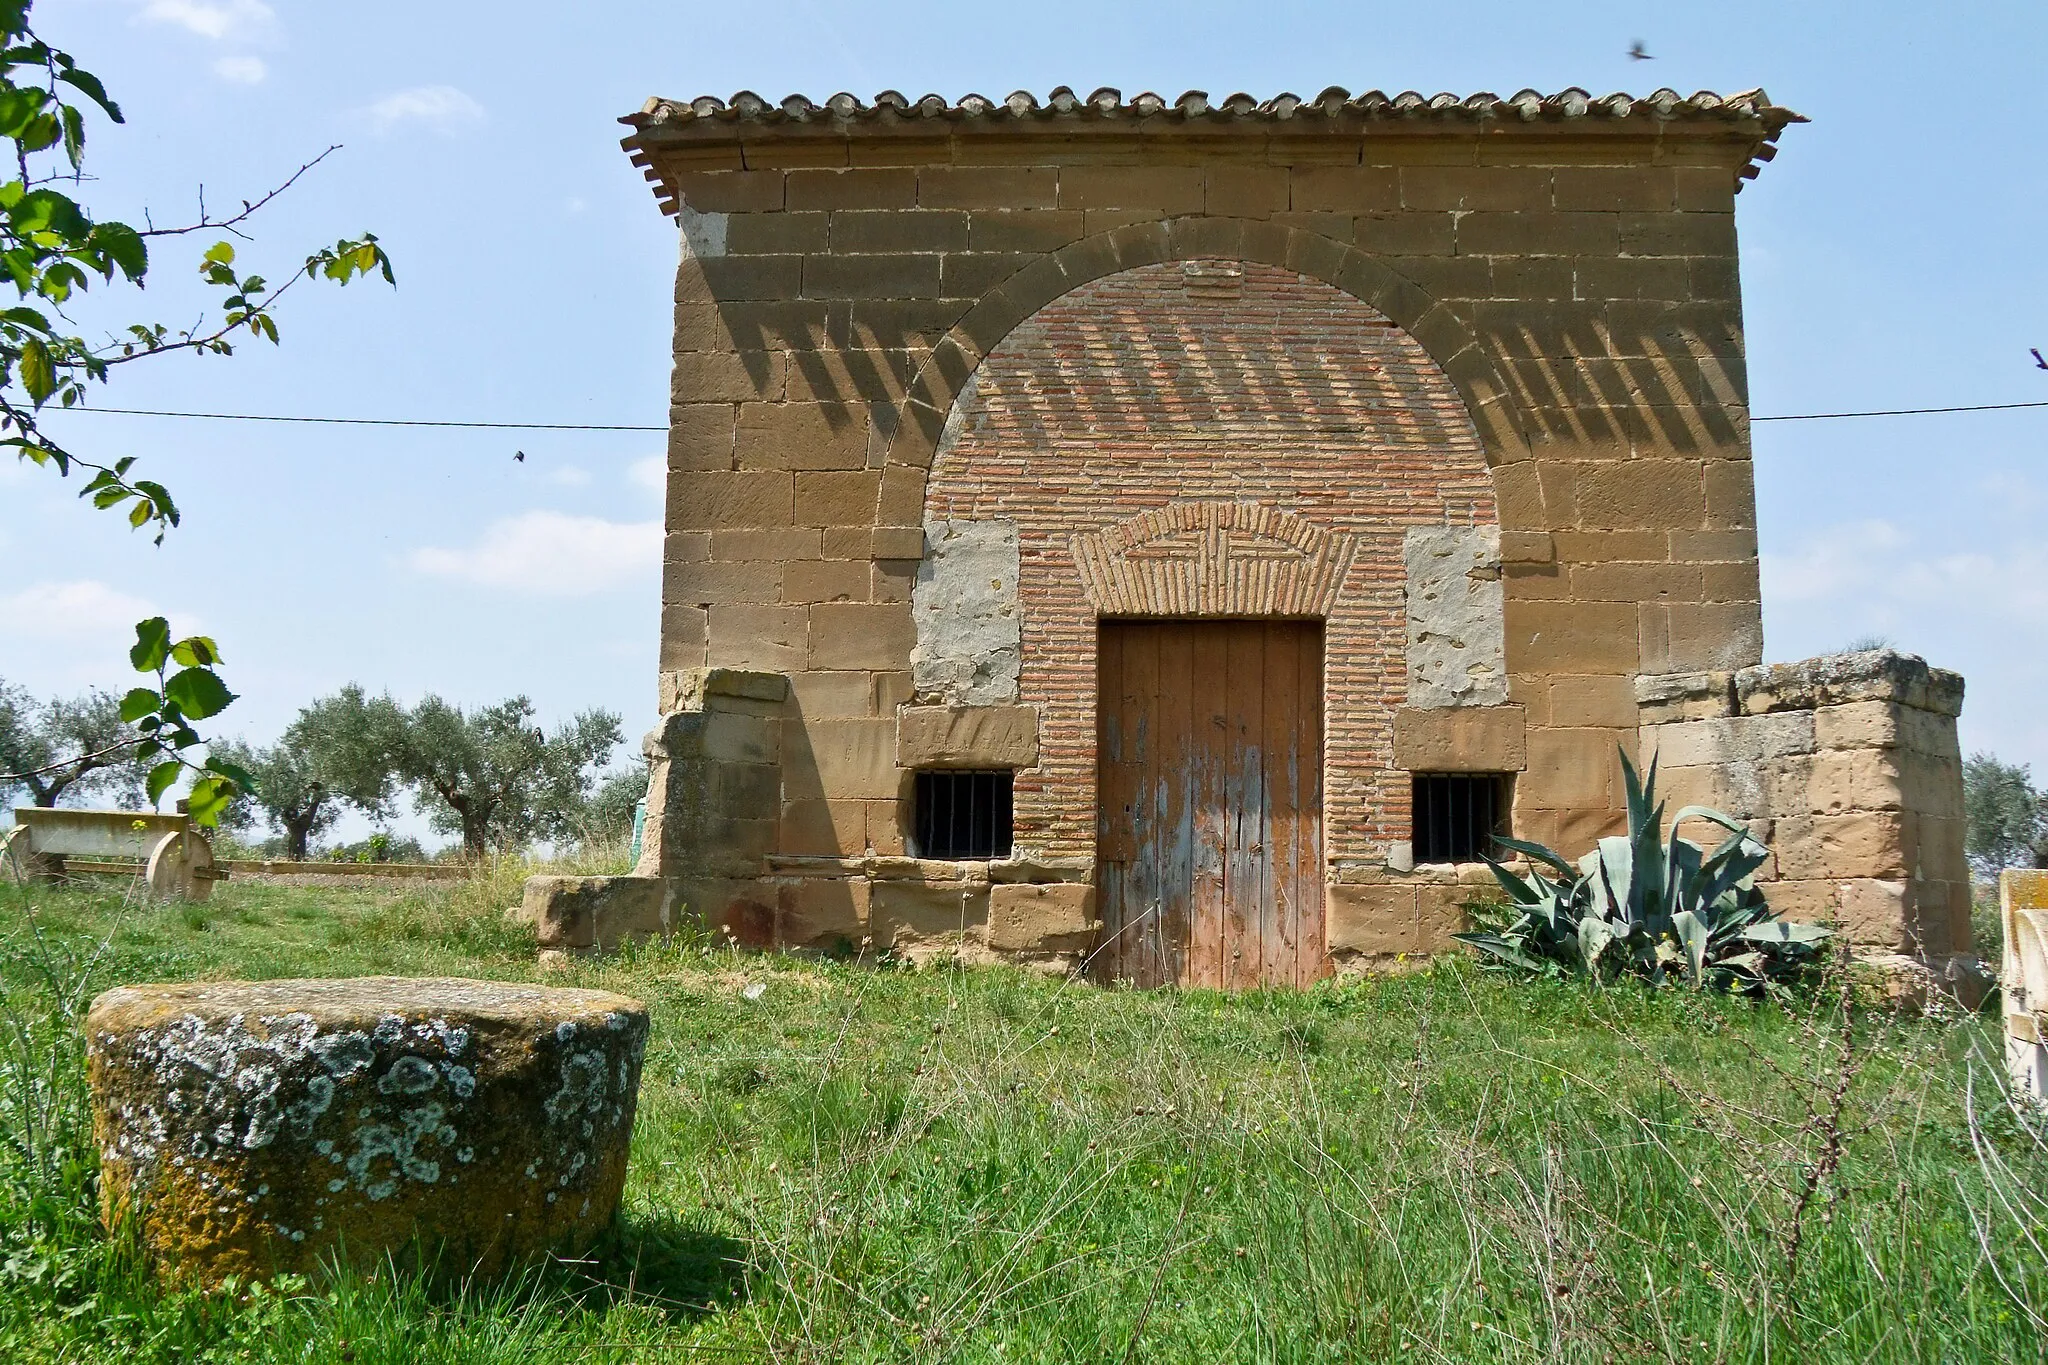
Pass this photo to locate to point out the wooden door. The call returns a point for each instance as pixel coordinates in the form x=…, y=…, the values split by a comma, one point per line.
x=1210, y=783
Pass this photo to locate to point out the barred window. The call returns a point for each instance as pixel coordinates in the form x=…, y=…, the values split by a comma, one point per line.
x=963, y=814
x=1457, y=816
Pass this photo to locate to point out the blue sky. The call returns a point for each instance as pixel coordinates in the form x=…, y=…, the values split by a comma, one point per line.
x=1893, y=256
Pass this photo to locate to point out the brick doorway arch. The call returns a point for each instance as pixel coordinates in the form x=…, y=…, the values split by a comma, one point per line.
x=1212, y=439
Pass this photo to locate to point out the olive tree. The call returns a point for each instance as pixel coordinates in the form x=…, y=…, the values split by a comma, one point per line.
x=494, y=776
x=2006, y=816
x=336, y=754
x=75, y=747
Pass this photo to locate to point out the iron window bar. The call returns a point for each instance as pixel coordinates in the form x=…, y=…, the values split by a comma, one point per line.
x=1458, y=816
x=964, y=813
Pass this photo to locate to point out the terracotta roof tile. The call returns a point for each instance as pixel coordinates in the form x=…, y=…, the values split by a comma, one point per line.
x=708, y=119
x=1063, y=103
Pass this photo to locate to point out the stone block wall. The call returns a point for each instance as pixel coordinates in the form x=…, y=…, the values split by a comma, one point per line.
x=873, y=299
x=1848, y=767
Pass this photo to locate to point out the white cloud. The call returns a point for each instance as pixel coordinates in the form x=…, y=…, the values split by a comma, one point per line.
x=59, y=636
x=241, y=70
x=1874, y=565
x=551, y=554
x=569, y=476
x=441, y=108
x=1831, y=562
x=650, y=473
x=214, y=19
x=80, y=610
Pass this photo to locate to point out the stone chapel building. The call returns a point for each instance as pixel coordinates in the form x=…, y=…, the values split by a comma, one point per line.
x=1181, y=535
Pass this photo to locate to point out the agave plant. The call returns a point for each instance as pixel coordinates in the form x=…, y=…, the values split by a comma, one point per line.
x=1639, y=905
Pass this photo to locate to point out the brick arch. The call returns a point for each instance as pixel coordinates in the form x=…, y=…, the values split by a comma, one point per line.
x=1442, y=334
x=1209, y=437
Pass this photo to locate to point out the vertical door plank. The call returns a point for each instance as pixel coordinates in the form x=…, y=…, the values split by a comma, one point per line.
x=1280, y=915
x=1112, y=829
x=1315, y=959
x=1244, y=883
x=1210, y=722
x=1172, y=724
x=1145, y=905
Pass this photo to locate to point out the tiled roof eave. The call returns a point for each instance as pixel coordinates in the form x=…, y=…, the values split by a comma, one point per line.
x=709, y=121
x=847, y=115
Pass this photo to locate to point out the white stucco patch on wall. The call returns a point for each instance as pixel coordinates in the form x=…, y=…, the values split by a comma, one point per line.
x=703, y=233
x=1457, y=645
x=970, y=630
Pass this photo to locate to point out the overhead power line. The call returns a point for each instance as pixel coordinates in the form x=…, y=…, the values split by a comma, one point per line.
x=621, y=426
x=373, y=421
x=1895, y=412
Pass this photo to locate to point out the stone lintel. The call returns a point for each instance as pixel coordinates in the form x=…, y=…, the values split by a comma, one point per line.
x=1461, y=739
x=967, y=736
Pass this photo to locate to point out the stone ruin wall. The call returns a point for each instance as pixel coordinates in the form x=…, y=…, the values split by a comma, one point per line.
x=1848, y=767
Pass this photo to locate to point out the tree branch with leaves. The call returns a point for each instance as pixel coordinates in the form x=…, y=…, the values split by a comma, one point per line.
x=52, y=251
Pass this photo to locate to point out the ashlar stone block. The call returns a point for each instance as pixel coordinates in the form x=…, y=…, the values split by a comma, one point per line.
x=967, y=736
x=1041, y=917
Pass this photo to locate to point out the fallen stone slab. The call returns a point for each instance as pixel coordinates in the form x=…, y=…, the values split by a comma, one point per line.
x=251, y=1128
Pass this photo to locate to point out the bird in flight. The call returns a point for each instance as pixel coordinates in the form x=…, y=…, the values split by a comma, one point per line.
x=519, y=455
x=1638, y=53
x=2039, y=363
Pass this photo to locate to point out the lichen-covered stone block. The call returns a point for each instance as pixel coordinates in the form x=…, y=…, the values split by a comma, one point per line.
x=253, y=1128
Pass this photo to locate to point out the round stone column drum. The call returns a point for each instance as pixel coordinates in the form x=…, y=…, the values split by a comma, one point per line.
x=251, y=1128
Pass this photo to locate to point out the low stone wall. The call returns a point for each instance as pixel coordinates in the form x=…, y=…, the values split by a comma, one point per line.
x=1848, y=767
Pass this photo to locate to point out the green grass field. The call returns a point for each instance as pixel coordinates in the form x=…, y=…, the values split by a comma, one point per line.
x=873, y=1163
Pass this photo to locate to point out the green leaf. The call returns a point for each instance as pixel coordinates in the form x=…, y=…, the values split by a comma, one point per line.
x=196, y=651
x=220, y=253
x=209, y=799
x=1539, y=853
x=139, y=702
x=94, y=91
x=74, y=136
x=1692, y=938
x=233, y=772
x=161, y=777
x=152, y=644
x=125, y=247
x=1787, y=932
x=198, y=692
x=1595, y=933
x=38, y=372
